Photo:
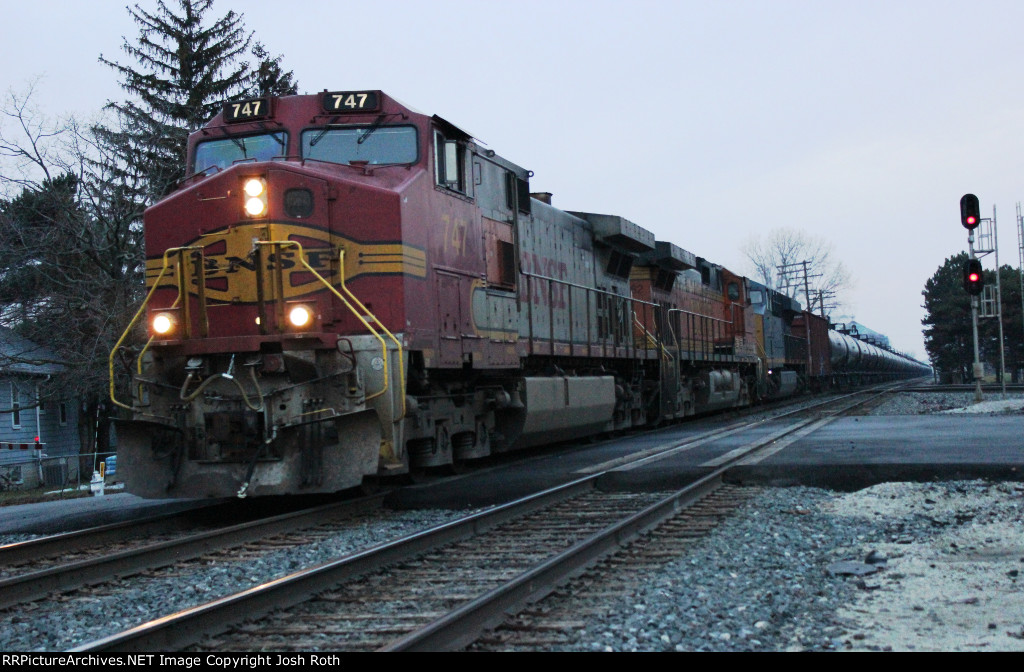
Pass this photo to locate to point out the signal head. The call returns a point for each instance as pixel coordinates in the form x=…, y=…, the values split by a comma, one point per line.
x=974, y=279
x=970, y=212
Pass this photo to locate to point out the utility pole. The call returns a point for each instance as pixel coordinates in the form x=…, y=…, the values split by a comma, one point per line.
x=824, y=309
x=786, y=275
x=1020, y=256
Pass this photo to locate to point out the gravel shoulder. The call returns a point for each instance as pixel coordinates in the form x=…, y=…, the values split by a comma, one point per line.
x=893, y=567
x=958, y=588
x=923, y=403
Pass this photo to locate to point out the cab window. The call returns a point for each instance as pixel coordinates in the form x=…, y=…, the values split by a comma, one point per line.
x=221, y=153
x=375, y=145
x=450, y=163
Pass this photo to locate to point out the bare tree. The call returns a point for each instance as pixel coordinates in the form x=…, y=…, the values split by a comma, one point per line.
x=800, y=265
x=71, y=263
x=30, y=142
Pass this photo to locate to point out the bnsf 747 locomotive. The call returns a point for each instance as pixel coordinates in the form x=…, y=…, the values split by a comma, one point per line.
x=345, y=288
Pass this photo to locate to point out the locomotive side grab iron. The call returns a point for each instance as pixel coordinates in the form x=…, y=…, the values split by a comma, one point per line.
x=345, y=289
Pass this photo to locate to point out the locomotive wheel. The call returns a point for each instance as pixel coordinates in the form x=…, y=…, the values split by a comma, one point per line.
x=416, y=475
x=369, y=486
x=457, y=467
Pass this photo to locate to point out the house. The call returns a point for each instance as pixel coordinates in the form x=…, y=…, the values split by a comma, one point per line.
x=39, y=440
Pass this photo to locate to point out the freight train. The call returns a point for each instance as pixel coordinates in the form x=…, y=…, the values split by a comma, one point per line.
x=345, y=289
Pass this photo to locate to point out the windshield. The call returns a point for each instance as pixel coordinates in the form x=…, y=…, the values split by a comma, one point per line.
x=225, y=151
x=372, y=144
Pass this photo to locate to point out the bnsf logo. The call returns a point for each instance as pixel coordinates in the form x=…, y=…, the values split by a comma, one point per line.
x=229, y=265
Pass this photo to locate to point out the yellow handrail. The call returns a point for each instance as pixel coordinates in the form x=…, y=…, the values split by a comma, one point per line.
x=398, y=344
x=134, y=321
x=369, y=327
x=302, y=259
x=652, y=340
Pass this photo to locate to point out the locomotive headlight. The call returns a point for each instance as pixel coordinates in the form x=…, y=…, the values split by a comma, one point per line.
x=300, y=317
x=163, y=323
x=255, y=207
x=254, y=187
x=255, y=190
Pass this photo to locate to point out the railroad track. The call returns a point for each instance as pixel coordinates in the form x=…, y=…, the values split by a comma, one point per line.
x=553, y=622
x=62, y=563
x=442, y=588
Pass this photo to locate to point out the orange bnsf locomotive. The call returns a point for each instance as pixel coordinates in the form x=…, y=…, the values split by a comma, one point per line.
x=345, y=289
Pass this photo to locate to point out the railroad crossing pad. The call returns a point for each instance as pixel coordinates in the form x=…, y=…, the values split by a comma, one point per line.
x=855, y=452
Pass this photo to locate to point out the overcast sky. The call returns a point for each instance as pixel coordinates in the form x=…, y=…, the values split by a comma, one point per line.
x=705, y=122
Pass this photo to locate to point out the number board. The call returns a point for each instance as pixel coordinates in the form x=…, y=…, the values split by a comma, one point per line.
x=351, y=101
x=246, y=110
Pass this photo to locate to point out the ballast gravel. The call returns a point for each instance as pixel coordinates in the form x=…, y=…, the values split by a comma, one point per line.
x=785, y=573
x=898, y=566
x=66, y=622
x=924, y=403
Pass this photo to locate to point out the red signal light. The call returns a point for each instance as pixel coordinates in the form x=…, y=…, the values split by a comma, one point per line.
x=974, y=281
x=970, y=211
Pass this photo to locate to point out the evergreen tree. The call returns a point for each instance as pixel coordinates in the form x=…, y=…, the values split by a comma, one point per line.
x=72, y=263
x=271, y=80
x=948, y=335
x=948, y=332
x=186, y=67
x=1013, y=330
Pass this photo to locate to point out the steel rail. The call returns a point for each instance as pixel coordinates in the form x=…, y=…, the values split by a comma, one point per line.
x=189, y=626
x=53, y=545
x=462, y=626
x=987, y=387
x=63, y=578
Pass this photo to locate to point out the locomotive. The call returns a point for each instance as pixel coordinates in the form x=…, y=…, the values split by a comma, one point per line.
x=344, y=289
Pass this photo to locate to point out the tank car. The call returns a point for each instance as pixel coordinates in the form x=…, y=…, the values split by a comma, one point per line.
x=345, y=289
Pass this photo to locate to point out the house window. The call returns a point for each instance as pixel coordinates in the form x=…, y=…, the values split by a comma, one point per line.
x=63, y=412
x=15, y=407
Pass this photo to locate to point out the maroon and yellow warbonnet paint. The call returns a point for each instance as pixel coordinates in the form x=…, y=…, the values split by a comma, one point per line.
x=229, y=262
